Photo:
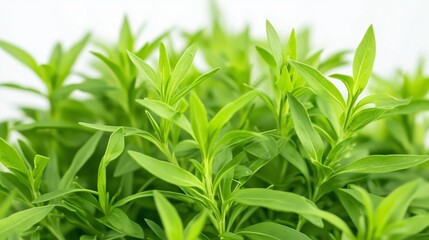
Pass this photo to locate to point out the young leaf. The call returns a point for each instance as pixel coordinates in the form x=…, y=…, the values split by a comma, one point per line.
x=167, y=112
x=291, y=49
x=40, y=163
x=115, y=68
x=114, y=149
x=226, y=113
x=167, y=171
x=9, y=158
x=170, y=218
x=183, y=91
x=268, y=58
x=363, y=61
x=22, y=221
x=275, y=44
x=182, y=67
x=69, y=59
x=309, y=138
x=319, y=83
x=126, y=39
x=147, y=72
x=199, y=120
x=164, y=63
x=272, y=231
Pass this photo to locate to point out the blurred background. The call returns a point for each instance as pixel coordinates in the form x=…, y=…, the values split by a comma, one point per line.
x=400, y=26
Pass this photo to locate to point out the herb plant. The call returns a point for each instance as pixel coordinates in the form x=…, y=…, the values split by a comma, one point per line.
x=260, y=145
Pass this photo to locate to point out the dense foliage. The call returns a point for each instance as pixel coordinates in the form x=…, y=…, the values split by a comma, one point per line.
x=262, y=145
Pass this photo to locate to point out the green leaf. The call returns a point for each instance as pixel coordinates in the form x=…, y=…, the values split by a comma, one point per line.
x=21, y=88
x=4, y=130
x=285, y=82
x=264, y=148
x=126, y=39
x=167, y=171
x=394, y=207
x=147, y=72
x=407, y=227
x=384, y=163
x=195, y=226
x=119, y=221
x=272, y=231
x=268, y=58
x=167, y=112
x=170, y=218
x=383, y=101
x=69, y=59
x=415, y=106
x=347, y=81
x=10, y=158
x=60, y=193
x=23, y=57
x=164, y=64
x=199, y=120
x=353, y=207
x=81, y=157
x=114, y=149
x=291, y=49
x=294, y=157
x=275, y=44
x=363, y=61
x=320, y=84
x=40, y=163
x=159, y=232
x=182, y=67
x=278, y=201
x=365, y=117
x=226, y=113
x=309, y=138
x=22, y=221
x=182, y=92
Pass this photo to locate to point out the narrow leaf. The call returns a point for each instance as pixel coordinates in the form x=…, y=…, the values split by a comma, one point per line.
x=320, y=84
x=167, y=171
x=309, y=138
x=384, y=163
x=363, y=61
x=22, y=221
x=170, y=218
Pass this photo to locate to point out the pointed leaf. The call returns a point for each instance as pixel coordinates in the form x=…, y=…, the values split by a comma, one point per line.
x=309, y=138
x=22, y=221
x=170, y=218
x=319, y=84
x=384, y=163
x=167, y=171
x=363, y=61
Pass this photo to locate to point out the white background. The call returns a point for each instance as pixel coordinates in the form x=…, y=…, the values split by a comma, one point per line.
x=401, y=28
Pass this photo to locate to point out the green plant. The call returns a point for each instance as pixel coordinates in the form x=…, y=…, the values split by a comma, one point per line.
x=223, y=153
